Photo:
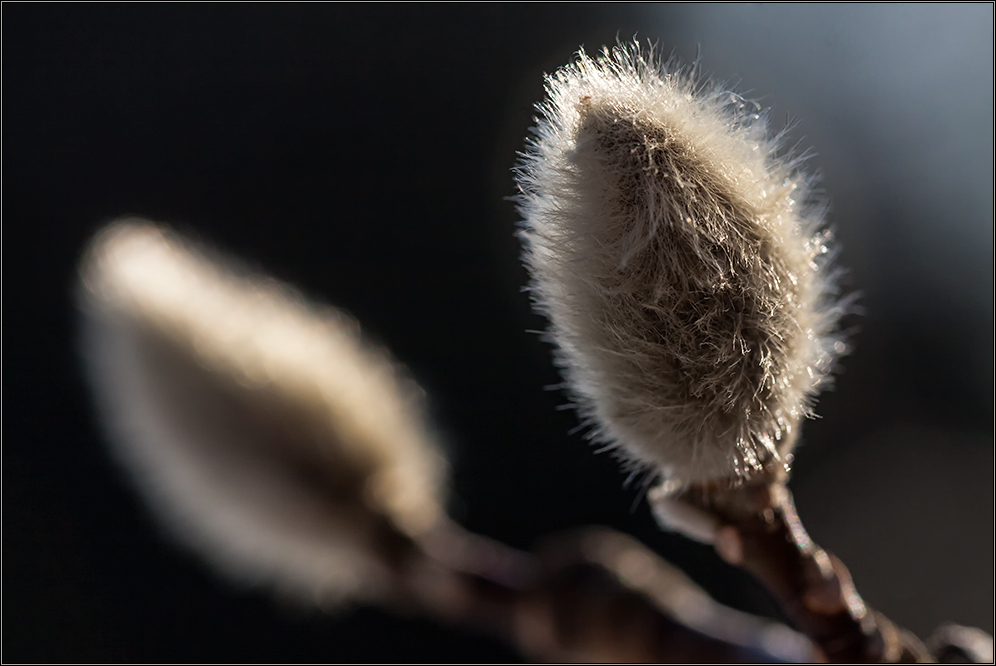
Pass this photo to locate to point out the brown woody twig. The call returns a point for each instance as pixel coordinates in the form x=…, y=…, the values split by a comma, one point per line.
x=761, y=531
x=591, y=596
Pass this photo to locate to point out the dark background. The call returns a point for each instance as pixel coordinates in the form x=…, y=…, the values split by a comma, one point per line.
x=363, y=154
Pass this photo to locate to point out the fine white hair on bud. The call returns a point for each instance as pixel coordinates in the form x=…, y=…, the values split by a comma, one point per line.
x=261, y=429
x=682, y=265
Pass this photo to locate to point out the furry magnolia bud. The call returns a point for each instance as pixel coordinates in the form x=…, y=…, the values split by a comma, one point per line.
x=681, y=265
x=262, y=430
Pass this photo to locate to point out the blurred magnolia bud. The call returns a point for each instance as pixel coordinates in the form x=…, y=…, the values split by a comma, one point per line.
x=682, y=266
x=260, y=428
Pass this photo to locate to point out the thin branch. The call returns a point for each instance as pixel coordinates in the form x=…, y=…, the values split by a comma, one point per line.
x=761, y=531
x=590, y=596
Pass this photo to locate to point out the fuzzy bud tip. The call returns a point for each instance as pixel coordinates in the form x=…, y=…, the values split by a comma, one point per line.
x=682, y=266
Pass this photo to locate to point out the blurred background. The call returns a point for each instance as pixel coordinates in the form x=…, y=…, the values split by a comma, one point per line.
x=363, y=153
